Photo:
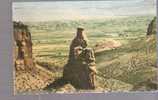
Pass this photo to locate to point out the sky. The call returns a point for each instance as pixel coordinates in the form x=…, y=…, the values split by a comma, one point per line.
x=81, y=10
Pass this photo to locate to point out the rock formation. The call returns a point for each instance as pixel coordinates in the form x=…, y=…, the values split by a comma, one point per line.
x=23, y=47
x=80, y=70
x=152, y=27
x=79, y=40
x=151, y=48
x=29, y=76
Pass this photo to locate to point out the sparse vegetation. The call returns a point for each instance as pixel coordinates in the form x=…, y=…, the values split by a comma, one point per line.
x=131, y=66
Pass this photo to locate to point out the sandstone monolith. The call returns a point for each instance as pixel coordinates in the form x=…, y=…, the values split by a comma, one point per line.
x=80, y=70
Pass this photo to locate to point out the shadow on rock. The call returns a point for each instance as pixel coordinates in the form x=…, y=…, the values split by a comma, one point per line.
x=58, y=83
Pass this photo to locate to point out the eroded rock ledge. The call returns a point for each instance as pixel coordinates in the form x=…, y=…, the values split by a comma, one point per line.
x=29, y=76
